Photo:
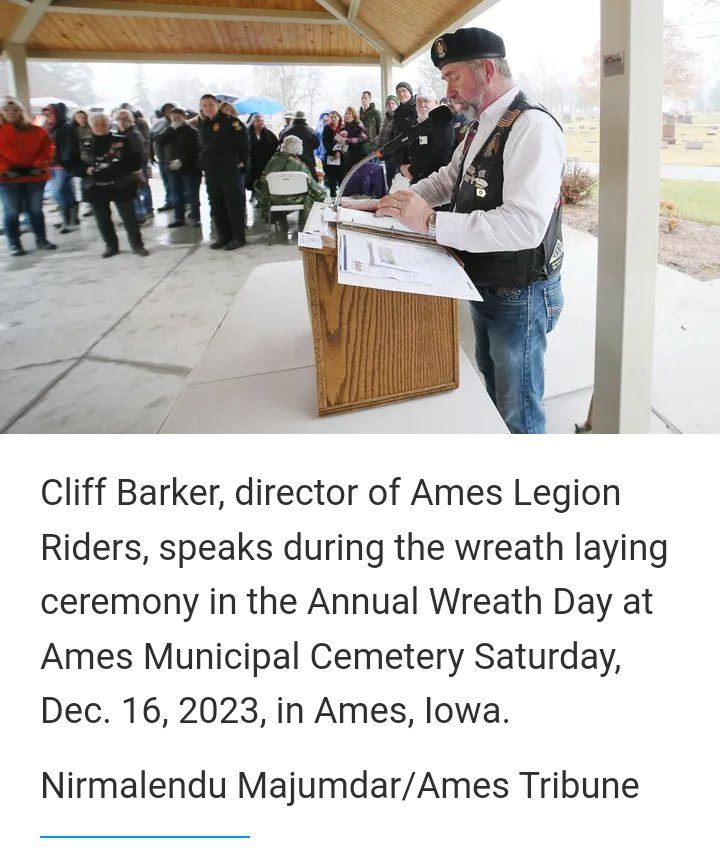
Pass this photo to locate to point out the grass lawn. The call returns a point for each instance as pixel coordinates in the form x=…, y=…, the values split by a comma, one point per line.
x=696, y=200
x=583, y=144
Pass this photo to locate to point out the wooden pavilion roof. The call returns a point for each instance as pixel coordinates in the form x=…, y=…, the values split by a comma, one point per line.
x=240, y=31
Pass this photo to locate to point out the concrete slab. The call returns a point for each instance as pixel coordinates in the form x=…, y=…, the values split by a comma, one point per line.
x=59, y=308
x=686, y=383
x=566, y=410
x=173, y=324
x=286, y=344
x=20, y=387
x=97, y=397
x=286, y=402
x=570, y=357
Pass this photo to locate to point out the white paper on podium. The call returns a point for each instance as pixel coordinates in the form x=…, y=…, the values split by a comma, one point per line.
x=381, y=262
x=348, y=216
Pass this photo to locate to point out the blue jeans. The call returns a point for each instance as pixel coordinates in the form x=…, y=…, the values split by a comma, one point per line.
x=165, y=174
x=19, y=198
x=143, y=199
x=511, y=328
x=185, y=191
x=61, y=188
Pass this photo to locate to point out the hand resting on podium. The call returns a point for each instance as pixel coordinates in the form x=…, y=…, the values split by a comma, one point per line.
x=411, y=209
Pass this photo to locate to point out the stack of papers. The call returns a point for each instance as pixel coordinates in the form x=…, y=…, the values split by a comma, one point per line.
x=365, y=219
x=382, y=262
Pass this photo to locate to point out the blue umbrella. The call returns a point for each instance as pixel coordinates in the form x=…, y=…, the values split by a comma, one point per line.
x=258, y=105
x=226, y=97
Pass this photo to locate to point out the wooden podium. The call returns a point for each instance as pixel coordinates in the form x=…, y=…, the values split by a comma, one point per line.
x=374, y=346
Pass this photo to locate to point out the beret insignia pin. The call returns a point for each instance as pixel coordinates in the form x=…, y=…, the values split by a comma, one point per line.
x=440, y=48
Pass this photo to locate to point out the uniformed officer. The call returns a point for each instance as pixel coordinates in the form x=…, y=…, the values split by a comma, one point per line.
x=225, y=149
x=503, y=188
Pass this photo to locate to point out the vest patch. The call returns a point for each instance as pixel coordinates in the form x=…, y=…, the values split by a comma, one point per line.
x=557, y=254
x=509, y=118
x=493, y=146
x=479, y=186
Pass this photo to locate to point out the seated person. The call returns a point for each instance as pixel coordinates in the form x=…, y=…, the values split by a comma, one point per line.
x=288, y=159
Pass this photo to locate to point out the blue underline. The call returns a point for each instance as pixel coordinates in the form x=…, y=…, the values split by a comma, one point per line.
x=145, y=837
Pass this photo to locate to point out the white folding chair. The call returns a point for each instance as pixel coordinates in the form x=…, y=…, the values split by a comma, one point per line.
x=285, y=183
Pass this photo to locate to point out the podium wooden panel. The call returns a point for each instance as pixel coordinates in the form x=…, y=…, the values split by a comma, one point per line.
x=374, y=346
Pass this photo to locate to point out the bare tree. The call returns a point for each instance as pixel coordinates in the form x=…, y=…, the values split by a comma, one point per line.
x=430, y=75
x=682, y=68
x=588, y=83
x=182, y=90
x=315, y=89
x=287, y=84
x=141, y=94
x=367, y=79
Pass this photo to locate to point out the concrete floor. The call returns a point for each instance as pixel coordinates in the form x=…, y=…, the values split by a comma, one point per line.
x=95, y=346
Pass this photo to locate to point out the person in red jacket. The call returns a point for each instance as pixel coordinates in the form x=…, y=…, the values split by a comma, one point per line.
x=26, y=154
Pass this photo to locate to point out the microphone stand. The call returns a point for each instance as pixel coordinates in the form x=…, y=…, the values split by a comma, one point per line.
x=443, y=117
x=366, y=159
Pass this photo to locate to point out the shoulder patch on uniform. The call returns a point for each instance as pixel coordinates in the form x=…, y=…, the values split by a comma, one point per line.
x=236, y=125
x=509, y=118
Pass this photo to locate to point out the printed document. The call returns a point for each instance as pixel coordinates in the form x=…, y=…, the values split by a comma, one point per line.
x=381, y=262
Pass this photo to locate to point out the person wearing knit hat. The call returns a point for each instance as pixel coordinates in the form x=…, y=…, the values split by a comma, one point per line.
x=503, y=216
x=386, y=133
x=386, y=128
x=404, y=86
x=405, y=116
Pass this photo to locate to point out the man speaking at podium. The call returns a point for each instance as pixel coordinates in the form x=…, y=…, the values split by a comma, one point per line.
x=503, y=187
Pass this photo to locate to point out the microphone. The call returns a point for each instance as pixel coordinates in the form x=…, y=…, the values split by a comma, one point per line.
x=438, y=117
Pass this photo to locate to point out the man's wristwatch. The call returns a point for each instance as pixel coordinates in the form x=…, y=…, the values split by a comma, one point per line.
x=431, y=224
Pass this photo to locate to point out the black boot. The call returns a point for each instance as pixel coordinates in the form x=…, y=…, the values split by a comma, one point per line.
x=75, y=214
x=66, y=226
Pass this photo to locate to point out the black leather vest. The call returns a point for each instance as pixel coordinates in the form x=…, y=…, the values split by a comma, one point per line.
x=479, y=186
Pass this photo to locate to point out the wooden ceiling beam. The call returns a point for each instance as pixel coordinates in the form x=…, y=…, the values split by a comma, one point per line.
x=28, y=21
x=450, y=25
x=131, y=9
x=353, y=10
x=340, y=12
x=143, y=57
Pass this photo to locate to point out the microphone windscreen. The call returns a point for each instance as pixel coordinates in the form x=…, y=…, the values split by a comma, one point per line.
x=440, y=116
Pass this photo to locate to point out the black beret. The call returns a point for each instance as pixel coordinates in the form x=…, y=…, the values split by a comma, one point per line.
x=468, y=43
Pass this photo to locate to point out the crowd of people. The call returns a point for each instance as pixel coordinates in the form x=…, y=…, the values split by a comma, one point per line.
x=101, y=159
x=487, y=186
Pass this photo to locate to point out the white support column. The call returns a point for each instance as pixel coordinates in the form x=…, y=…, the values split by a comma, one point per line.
x=630, y=127
x=16, y=58
x=386, y=80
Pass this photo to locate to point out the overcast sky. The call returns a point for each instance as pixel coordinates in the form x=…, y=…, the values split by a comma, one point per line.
x=552, y=32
